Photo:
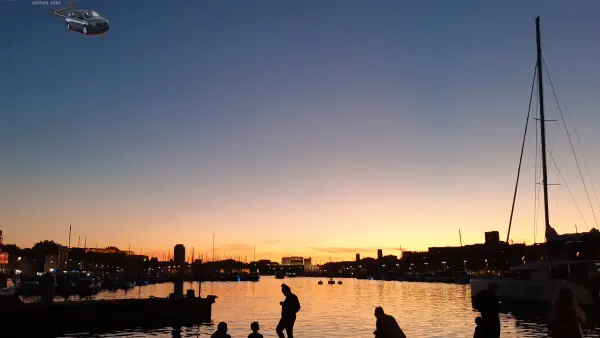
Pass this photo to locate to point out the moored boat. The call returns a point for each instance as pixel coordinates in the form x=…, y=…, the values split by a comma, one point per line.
x=538, y=283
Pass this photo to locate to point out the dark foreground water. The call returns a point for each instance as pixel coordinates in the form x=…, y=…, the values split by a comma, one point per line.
x=422, y=309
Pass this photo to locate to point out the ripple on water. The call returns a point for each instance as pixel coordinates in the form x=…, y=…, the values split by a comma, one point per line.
x=332, y=311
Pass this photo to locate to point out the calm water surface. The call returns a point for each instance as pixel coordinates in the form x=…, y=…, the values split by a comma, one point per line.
x=422, y=309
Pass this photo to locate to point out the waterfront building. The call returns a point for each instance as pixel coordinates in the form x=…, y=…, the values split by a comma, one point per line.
x=179, y=254
x=296, y=261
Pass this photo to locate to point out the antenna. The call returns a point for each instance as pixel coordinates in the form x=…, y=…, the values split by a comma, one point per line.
x=69, y=236
x=460, y=237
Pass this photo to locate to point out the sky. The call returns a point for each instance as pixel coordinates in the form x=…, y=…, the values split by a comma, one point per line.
x=311, y=128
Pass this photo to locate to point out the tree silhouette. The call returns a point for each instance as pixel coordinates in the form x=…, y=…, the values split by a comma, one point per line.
x=11, y=249
x=44, y=248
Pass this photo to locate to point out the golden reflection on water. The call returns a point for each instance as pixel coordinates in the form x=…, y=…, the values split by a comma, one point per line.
x=421, y=309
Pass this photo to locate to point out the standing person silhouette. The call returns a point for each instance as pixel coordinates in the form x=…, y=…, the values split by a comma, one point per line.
x=386, y=325
x=487, y=304
x=566, y=317
x=289, y=307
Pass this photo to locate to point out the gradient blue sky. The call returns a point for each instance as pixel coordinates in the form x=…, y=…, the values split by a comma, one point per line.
x=319, y=128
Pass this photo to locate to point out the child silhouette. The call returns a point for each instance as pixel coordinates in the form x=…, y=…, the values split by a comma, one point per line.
x=254, y=327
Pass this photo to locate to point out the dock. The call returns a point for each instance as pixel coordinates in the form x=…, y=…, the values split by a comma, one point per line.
x=95, y=316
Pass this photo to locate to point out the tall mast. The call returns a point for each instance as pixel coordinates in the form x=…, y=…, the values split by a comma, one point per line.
x=542, y=124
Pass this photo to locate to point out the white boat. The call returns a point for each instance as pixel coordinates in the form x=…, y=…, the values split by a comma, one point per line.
x=540, y=281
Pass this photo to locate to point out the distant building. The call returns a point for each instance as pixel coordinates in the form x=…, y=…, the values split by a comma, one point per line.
x=379, y=254
x=50, y=263
x=292, y=261
x=110, y=250
x=63, y=257
x=358, y=257
x=179, y=254
x=307, y=262
x=492, y=237
x=3, y=261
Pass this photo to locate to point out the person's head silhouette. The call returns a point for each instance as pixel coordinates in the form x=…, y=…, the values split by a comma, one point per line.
x=379, y=312
x=479, y=321
x=285, y=289
x=222, y=327
x=254, y=327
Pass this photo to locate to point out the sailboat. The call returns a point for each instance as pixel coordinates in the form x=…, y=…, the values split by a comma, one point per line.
x=540, y=281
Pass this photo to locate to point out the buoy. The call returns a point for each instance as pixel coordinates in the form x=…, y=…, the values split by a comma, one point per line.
x=339, y=282
x=320, y=282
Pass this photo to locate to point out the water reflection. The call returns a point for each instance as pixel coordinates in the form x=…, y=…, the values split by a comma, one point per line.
x=422, y=309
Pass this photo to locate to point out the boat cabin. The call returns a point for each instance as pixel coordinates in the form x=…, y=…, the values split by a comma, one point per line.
x=570, y=270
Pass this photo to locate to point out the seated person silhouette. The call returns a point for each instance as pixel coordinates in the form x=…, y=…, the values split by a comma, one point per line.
x=254, y=327
x=221, y=331
x=479, y=329
x=387, y=326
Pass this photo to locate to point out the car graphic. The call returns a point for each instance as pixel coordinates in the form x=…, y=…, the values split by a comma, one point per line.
x=86, y=21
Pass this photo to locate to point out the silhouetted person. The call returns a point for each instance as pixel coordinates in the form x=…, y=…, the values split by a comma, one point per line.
x=176, y=332
x=221, y=331
x=479, y=329
x=254, y=327
x=289, y=307
x=386, y=325
x=565, y=318
x=486, y=302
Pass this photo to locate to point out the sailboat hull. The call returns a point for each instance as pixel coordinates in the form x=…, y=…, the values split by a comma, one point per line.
x=540, y=294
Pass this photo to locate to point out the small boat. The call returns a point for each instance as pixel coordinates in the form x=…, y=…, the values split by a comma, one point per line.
x=340, y=282
x=320, y=282
x=331, y=281
x=280, y=275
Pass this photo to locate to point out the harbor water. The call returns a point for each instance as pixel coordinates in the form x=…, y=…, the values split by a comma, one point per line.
x=346, y=310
